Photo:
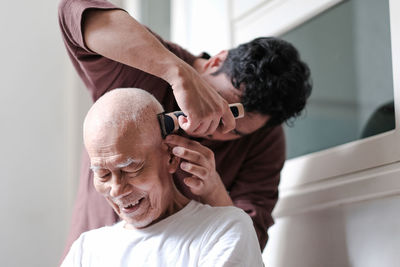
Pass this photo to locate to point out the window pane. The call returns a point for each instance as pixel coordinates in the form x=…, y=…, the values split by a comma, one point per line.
x=349, y=53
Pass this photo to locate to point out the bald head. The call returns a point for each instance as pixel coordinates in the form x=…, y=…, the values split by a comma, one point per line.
x=122, y=112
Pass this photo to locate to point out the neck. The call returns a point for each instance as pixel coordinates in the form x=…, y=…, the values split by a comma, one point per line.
x=178, y=202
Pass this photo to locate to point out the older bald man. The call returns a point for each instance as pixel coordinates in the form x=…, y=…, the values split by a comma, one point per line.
x=133, y=170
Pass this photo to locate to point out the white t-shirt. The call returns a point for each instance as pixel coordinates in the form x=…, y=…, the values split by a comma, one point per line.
x=197, y=235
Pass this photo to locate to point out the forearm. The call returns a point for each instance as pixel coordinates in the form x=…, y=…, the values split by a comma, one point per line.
x=116, y=35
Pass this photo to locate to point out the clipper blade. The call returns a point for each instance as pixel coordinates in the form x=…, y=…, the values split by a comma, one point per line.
x=160, y=118
x=168, y=122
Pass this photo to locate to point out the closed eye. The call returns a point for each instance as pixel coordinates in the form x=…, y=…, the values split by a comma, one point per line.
x=103, y=175
x=133, y=168
x=132, y=173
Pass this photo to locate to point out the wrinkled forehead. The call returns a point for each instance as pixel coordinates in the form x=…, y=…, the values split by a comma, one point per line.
x=123, y=136
x=121, y=153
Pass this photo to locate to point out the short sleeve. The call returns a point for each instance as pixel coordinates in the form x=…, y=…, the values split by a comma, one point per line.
x=74, y=255
x=233, y=242
x=70, y=14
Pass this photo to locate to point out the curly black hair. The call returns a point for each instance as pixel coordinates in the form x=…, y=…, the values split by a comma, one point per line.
x=273, y=79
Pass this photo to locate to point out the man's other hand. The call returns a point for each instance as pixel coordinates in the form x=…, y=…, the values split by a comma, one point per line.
x=199, y=161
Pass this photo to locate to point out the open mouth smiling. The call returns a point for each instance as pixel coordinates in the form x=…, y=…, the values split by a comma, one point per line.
x=132, y=207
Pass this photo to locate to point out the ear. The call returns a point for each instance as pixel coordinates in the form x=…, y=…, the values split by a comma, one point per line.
x=216, y=61
x=172, y=160
x=173, y=163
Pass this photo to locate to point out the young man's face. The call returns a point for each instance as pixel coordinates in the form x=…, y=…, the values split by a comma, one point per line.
x=133, y=174
x=222, y=83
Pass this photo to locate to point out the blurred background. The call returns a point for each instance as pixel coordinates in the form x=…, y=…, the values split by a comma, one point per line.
x=349, y=49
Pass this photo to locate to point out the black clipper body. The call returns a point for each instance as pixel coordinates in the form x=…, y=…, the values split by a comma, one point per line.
x=169, y=121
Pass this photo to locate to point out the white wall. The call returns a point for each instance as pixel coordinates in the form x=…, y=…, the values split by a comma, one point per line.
x=201, y=26
x=38, y=159
x=153, y=13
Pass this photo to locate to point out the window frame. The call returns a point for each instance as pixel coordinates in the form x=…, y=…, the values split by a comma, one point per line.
x=352, y=157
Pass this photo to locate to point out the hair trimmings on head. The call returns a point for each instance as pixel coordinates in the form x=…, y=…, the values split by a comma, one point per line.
x=122, y=109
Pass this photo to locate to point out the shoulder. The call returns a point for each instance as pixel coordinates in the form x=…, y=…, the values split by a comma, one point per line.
x=71, y=11
x=228, y=217
x=90, y=3
x=230, y=239
x=233, y=216
x=261, y=139
x=94, y=236
x=267, y=144
x=268, y=135
x=94, y=239
x=93, y=243
x=220, y=226
x=70, y=17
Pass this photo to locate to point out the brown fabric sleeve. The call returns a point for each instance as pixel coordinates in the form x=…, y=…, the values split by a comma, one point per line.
x=255, y=189
x=70, y=14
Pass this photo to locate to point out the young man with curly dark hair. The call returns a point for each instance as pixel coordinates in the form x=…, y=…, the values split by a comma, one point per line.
x=272, y=77
x=229, y=163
